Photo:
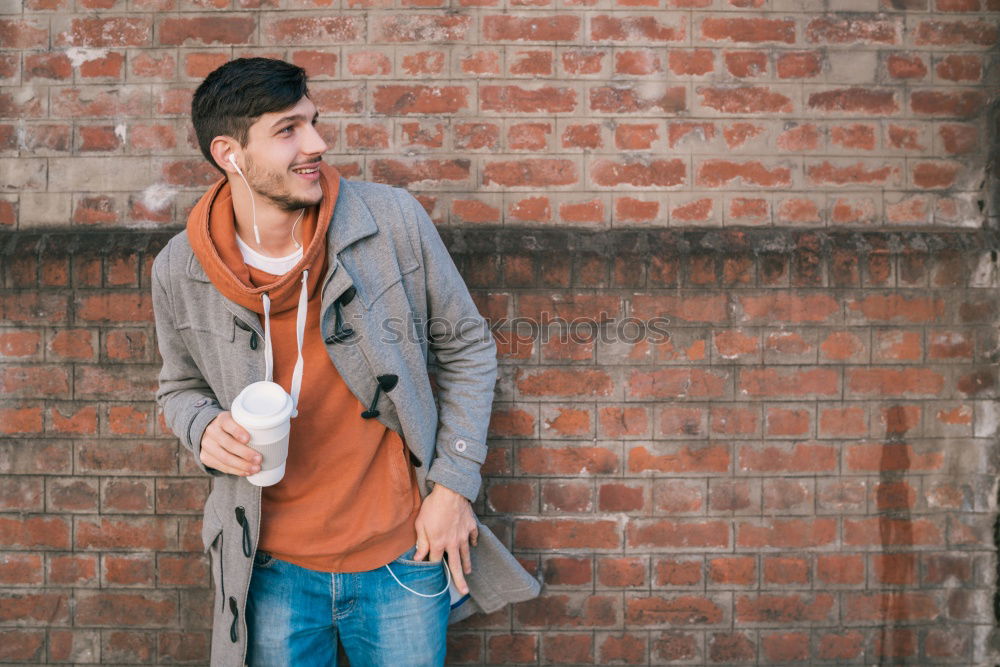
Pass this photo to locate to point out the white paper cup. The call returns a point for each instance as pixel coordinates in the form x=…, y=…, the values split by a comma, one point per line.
x=264, y=409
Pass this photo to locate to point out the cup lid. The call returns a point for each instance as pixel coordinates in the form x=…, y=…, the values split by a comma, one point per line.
x=262, y=405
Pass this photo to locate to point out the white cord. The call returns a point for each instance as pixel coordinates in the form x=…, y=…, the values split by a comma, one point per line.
x=447, y=573
x=297, y=244
x=300, y=328
x=253, y=210
x=253, y=207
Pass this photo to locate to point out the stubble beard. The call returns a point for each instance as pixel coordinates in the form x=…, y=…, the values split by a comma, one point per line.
x=273, y=186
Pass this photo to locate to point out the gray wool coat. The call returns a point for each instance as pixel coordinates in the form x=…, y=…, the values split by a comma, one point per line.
x=382, y=243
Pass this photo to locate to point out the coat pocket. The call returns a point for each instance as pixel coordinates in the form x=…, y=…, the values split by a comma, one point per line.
x=212, y=539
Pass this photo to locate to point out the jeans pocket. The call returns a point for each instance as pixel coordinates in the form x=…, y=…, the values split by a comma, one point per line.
x=262, y=560
x=407, y=559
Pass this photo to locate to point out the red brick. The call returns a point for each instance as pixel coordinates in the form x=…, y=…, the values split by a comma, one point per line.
x=128, y=570
x=883, y=607
x=896, y=532
x=464, y=648
x=629, y=649
x=567, y=534
x=678, y=534
x=567, y=422
x=615, y=497
x=22, y=645
x=567, y=571
x=679, y=497
x=73, y=494
x=76, y=420
x=616, y=422
x=877, y=457
x=676, y=382
x=670, y=572
x=784, y=609
x=567, y=461
x=217, y=29
x=512, y=496
x=21, y=569
x=681, y=610
x=567, y=649
x=736, y=570
x=115, y=382
x=621, y=572
x=125, y=533
x=564, y=27
x=21, y=420
x=894, y=569
x=126, y=609
x=128, y=646
x=786, y=646
x=21, y=494
x=787, y=495
x=128, y=419
x=680, y=459
x=23, y=34
x=799, y=457
x=734, y=647
x=34, y=382
x=109, y=66
x=182, y=570
x=181, y=496
x=106, y=32
x=787, y=421
x=512, y=649
x=73, y=570
x=38, y=532
x=126, y=345
x=115, y=307
x=73, y=645
x=942, y=568
x=786, y=533
x=786, y=570
x=184, y=647
x=34, y=608
x=120, y=495
x=953, y=642
x=563, y=610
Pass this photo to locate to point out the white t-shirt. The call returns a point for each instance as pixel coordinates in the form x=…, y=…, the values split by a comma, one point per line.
x=278, y=266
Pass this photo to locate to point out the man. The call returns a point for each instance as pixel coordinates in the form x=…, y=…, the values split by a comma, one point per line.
x=284, y=266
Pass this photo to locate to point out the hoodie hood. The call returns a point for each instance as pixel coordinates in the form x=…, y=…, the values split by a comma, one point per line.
x=211, y=230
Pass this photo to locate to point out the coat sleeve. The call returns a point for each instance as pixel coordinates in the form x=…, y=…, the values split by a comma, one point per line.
x=188, y=403
x=466, y=360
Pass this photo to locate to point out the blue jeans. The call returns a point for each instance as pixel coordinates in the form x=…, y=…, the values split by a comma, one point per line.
x=295, y=616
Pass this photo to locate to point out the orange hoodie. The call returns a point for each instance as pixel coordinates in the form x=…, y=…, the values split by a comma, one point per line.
x=349, y=497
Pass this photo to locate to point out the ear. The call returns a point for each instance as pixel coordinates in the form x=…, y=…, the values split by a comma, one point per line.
x=221, y=148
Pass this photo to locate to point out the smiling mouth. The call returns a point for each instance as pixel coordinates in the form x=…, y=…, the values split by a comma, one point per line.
x=306, y=170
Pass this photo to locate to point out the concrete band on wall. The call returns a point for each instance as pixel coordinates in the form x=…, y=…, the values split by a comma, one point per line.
x=803, y=468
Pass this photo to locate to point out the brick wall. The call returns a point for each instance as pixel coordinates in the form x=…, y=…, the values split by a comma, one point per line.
x=597, y=113
x=802, y=469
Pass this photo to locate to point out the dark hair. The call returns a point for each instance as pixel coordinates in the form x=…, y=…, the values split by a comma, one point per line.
x=235, y=95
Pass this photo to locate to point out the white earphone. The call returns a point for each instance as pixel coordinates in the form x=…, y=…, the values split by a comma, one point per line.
x=253, y=206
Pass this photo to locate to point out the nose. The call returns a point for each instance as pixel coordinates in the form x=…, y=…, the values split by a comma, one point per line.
x=314, y=144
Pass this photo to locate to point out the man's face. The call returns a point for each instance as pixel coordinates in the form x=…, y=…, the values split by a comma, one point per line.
x=281, y=149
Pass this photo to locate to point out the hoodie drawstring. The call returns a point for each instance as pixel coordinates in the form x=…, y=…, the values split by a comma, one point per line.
x=300, y=331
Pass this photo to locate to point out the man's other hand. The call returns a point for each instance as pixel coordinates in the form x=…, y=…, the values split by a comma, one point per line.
x=223, y=447
x=447, y=524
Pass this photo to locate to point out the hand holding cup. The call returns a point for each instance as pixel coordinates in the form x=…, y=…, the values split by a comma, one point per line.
x=224, y=447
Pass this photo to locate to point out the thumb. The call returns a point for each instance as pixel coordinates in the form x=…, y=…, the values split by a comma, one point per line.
x=423, y=545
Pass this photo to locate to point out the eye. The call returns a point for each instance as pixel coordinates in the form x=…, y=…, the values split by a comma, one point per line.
x=286, y=129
